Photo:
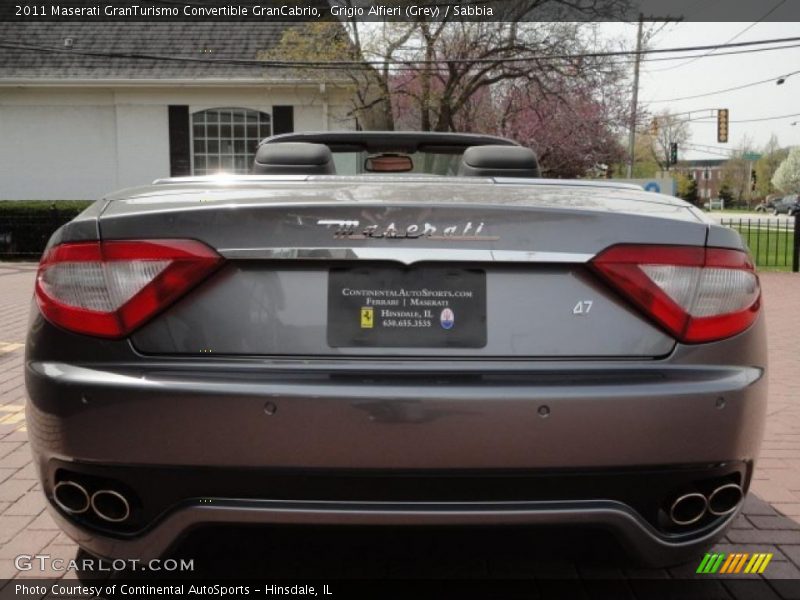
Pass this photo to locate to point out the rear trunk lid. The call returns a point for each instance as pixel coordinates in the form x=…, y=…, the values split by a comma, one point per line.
x=307, y=256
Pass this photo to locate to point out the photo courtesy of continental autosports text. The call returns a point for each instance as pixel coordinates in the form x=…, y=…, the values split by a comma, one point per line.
x=71, y=590
x=399, y=299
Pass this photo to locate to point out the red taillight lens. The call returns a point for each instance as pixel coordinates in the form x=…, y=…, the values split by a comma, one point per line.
x=108, y=289
x=695, y=294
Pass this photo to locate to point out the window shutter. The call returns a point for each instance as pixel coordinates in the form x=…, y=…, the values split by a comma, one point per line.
x=179, y=161
x=282, y=119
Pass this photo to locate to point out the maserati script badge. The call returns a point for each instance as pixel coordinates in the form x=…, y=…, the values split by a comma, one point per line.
x=352, y=230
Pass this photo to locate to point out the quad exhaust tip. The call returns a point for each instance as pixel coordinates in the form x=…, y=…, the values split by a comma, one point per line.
x=688, y=509
x=725, y=499
x=71, y=497
x=110, y=506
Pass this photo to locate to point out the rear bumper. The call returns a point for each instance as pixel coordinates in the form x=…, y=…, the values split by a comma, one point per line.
x=543, y=417
x=397, y=416
x=636, y=535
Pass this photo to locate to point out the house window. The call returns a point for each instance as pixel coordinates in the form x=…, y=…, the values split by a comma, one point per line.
x=225, y=139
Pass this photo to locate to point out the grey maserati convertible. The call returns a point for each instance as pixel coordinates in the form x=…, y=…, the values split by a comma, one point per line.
x=394, y=328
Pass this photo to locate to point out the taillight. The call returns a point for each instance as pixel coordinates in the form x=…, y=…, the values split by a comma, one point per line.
x=108, y=289
x=695, y=294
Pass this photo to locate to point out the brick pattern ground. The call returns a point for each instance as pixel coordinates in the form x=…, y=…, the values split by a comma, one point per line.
x=770, y=520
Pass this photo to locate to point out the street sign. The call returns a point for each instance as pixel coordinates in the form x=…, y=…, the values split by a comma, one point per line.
x=659, y=186
x=751, y=155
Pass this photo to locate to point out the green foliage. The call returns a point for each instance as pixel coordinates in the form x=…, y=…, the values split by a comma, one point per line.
x=787, y=175
x=320, y=42
x=726, y=194
x=646, y=169
x=645, y=165
x=26, y=225
x=766, y=166
x=313, y=42
x=772, y=249
x=9, y=207
x=687, y=189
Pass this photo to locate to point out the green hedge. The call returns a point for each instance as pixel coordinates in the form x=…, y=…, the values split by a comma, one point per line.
x=26, y=225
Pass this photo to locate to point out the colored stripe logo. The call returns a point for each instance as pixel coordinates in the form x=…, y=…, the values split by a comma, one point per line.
x=738, y=562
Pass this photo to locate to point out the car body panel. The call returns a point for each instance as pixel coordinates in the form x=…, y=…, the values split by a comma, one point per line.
x=786, y=205
x=283, y=310
x=238, y=376
x=359, y=413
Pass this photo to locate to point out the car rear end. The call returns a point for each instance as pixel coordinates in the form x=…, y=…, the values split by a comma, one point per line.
x=395, y=351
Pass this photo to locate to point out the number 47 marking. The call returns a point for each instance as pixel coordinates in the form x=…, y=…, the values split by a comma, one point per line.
x=582, y=307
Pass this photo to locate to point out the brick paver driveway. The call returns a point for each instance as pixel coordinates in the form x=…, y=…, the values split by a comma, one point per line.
x=770, y=521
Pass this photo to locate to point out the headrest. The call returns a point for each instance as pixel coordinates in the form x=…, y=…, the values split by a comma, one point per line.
x=293, y=158
x=499, y=161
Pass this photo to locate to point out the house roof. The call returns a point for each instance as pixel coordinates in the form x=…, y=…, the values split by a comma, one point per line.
x=37, y=51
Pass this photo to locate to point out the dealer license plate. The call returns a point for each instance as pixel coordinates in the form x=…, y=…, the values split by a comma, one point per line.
x=430, y=307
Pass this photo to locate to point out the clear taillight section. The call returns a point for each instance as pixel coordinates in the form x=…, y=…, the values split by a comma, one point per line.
x=696, y=294
x=108, y=289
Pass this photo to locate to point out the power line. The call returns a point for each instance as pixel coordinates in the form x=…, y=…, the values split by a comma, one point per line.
x=742, y=32
x=753, y=120
x=715, y=55
x=398, y=65
x=698, y=148
x=710, y=147
x=370, y=63
x=320, y=65
x=731, y=89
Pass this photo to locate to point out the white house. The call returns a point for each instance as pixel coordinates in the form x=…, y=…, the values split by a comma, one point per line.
x=86, y=108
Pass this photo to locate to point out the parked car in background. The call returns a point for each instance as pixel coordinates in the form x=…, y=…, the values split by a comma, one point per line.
x=395, y=328
x=769, y=203
x=788, y=205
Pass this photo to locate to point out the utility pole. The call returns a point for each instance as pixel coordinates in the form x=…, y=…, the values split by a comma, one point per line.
x=632, y=139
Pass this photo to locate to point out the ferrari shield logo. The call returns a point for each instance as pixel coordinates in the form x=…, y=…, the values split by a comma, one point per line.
x=367, y=318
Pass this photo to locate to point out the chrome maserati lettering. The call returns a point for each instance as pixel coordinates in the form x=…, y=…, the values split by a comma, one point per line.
x=351, y=229
x=343, y=227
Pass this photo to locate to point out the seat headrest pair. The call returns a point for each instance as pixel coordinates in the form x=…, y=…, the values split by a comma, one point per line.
x=499, y=161
x=293, y=158
x=306, y=158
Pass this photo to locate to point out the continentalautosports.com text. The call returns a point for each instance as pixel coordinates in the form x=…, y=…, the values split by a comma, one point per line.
x=44, y=563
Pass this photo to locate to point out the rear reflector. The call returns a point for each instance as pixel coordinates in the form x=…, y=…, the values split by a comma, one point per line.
x=108, y=289
x=695, y=294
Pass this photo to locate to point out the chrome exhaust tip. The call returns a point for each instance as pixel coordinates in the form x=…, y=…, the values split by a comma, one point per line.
x=110, y=506
x=71, y=497
x=688, y=509
x=725, y=499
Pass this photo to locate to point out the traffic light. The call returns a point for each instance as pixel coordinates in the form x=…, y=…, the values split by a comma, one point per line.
x=752, y=180
x=722, y=126
x=673, y=153
x=654, y=126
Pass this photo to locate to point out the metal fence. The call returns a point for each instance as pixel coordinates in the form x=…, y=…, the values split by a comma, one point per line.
x=24, y=233
x=774, y=242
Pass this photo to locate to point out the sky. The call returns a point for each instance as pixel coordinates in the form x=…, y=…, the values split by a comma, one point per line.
x=662, y=81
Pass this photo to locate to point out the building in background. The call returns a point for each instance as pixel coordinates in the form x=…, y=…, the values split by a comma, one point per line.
x=83, y=113
x=707, y=173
